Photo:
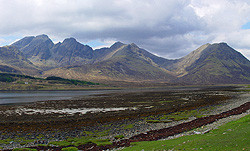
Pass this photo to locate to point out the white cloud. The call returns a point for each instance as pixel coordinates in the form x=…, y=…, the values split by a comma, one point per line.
x=170, y=28
x=225, y=15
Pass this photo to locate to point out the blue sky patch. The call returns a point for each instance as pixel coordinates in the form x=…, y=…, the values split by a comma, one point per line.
x=246, y=26
x=7, y=40
x=95, y=43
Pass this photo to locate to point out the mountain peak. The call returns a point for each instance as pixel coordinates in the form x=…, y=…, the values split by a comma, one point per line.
x=220, y=43
x=42, y=36
x=41, y=39
x=117, y=44
x=133, y=45
x=220, y=49
x=70, y=40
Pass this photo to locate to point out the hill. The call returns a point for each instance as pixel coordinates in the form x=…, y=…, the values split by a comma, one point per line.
x=213, y=64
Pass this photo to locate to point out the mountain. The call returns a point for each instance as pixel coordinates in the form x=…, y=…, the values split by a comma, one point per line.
x=209, y=64
x=119, y=62
x=42, y=52
x=213, y=64
x=71, y=52
x=37, y=50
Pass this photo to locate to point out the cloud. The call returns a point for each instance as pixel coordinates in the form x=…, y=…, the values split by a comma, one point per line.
x=169, y=28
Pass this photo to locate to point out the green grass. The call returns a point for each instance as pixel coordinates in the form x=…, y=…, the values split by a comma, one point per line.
x=169, y=101
x=6, y=141
x=81, y=141
x=70, y=149
x=119, y=137
x=129, y=126
x=20, y=140
x=229, y=137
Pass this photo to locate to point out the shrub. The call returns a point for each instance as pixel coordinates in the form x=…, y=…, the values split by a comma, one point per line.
x=6, y=79
x=71, y=81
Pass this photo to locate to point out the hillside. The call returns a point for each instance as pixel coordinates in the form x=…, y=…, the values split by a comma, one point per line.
x=216, y=63
x=14, y=61
x=23, y=82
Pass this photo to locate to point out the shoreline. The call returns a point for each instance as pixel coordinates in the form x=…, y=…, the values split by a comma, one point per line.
x=140, y=126
x=173, y=131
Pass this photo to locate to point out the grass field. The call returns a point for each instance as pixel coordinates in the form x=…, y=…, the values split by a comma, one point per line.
x=232, y=136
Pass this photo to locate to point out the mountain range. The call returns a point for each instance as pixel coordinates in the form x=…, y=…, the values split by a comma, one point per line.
x=37, y=55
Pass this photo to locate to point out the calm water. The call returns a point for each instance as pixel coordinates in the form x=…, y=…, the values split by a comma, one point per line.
x=9, y=97
x=33, y=96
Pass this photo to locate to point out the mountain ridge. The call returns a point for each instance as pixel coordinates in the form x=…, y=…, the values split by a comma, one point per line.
x=208, y=64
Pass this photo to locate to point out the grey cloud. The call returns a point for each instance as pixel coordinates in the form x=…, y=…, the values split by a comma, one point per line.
x=170, y=28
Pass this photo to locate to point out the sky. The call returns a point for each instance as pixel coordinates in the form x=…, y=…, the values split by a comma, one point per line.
x=167, y=28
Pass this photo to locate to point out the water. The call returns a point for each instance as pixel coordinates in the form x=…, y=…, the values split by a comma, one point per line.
x=11, y=97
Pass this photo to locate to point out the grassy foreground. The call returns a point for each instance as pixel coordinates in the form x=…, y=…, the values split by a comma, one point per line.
x=232, y=136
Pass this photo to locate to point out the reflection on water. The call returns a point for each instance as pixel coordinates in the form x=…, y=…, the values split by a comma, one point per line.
x=8, y=97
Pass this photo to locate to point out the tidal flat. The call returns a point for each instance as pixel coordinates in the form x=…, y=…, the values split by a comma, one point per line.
x=112, y=116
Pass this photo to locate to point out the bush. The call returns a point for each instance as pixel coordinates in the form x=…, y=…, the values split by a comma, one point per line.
x=55, y=78
x=6, y=79
x=71, y=81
